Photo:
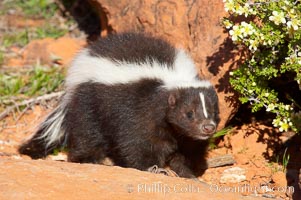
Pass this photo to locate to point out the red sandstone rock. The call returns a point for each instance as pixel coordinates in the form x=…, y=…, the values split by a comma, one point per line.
x=28, y=179
x=279, y=179
x=48, y=50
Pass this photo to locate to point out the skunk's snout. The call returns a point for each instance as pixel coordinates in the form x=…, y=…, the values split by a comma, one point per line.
x=208, y=127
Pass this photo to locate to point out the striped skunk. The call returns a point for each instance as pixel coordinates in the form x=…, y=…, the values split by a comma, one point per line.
x=134, y=99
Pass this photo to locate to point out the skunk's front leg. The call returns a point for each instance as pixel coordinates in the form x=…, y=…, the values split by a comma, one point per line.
x=181, y=166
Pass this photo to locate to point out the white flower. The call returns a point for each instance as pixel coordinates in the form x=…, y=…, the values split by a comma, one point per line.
x=287, y=107
x=287, y=2
x=253, y=45
x=270, y=107
x=228, y=24
x=252, y=11
x=278, y=17
x=284, y=125
x=240, y=10
x=247, y=29
x=276, y=122
x=261, y=36
x=292, y=12
x=235, y=33
x=294, y=24
x=243, y=10
x=229, y=5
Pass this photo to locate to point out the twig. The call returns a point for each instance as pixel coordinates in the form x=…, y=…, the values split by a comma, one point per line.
x=254, y=163
x=30, y=101
x=22, y=113
x=17, y=108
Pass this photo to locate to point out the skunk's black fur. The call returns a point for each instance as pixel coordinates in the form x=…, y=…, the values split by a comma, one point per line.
x=161, y=116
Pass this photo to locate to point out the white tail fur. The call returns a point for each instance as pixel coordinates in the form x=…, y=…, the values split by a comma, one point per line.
x=52, y=127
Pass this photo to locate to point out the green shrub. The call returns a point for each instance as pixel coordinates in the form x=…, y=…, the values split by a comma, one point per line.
x=271, y=33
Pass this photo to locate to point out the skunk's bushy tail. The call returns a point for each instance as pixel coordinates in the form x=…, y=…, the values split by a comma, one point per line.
x=50, y=135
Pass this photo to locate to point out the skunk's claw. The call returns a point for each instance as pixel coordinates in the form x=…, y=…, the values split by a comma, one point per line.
x=157, y=170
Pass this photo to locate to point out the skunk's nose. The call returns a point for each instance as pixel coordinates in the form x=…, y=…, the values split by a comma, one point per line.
x=208, y=128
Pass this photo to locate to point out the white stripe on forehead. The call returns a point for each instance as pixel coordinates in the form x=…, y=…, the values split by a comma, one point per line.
x=203, y=104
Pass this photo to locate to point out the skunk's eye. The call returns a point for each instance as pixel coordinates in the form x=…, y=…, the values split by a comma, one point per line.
x=190, y=115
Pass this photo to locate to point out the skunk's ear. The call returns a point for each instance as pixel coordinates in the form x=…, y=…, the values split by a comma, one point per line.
x=172, y=99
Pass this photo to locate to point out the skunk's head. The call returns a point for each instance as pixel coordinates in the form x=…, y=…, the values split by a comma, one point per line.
x=194, y=112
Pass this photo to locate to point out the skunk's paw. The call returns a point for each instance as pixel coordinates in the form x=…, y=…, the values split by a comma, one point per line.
x=157, y=170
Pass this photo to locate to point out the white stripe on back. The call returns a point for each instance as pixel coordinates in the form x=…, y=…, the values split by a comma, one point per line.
x=103, y=70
